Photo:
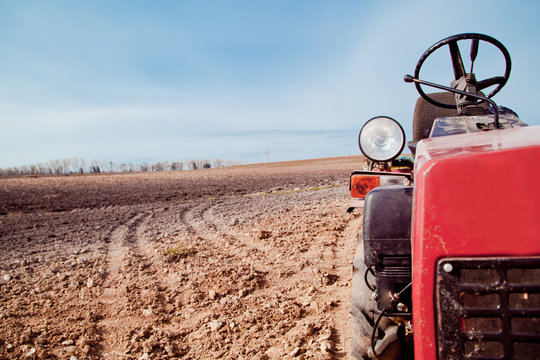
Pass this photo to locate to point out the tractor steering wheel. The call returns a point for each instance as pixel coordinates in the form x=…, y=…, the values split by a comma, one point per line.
x=457, y=63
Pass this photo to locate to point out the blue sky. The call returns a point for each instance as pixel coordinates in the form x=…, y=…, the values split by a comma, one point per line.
x=135, y=81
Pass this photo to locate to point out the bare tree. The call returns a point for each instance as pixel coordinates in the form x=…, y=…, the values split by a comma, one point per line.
x=177, y=165
x=56, y=167
x=157, y=166
x=218, y=163
x=94, y=167
x=82, y=166
x=112, y=166
x=78, y=165
x=42, y=168
x=192, y=165
x=66, y=166
x=145, y=166
x=199, y=164
x=166, y=165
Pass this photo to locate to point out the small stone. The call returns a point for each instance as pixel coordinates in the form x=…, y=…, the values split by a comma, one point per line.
x=42, y=354
x=25, y=338
x=295, y=352
x=9, y=347
x=90, y=282
x=82, y=341
x=212, y=294
x=68, y=342
x=148, y=345
x=325, y=334
x=326, y=346
x=71, y=349
x=31, y=352
x=41, y=340
x=6, y=277
x=101, y=271
x=169, y=349
x=263, y=234
x=73, y=357
x=215, y=325
x=147, y=312
x=309, y=330
x=144, y=356
x=86, y=349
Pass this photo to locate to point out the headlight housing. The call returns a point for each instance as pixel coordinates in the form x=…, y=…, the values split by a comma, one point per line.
x=381, y=139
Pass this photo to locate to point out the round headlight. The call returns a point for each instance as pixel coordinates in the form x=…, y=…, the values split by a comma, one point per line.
x=381, y=139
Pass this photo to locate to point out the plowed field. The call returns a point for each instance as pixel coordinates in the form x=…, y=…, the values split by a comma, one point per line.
x=251, y=262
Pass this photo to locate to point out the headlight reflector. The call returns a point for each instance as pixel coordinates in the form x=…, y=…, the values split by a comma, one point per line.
x=381, y=139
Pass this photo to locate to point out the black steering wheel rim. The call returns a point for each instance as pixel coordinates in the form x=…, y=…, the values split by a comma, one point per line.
x=501, y=81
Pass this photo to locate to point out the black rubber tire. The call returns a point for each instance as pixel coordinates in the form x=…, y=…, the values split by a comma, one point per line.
x=363, y=317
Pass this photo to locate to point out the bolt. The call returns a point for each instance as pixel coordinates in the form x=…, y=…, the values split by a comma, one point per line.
x=448, y=267
x=402, y=307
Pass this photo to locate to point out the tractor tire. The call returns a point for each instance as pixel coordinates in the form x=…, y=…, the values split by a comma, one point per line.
x=363, y=318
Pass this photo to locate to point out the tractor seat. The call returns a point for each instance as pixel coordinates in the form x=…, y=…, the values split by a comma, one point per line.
x=425, y=113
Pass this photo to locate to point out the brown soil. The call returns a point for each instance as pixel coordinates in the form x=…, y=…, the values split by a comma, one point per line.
x=250, y=262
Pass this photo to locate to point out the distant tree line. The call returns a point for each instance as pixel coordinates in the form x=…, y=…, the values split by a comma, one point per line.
x=81, y=166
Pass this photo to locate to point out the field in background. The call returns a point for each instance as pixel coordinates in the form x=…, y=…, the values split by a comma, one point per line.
x=249, y=262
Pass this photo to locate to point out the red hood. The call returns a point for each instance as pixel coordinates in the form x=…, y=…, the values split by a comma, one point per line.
x=476, y=195
x=487, y=141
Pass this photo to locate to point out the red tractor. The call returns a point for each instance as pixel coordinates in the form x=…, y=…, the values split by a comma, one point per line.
x=448, y=259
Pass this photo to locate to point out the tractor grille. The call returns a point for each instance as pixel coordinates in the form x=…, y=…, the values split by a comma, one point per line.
x=488, y=308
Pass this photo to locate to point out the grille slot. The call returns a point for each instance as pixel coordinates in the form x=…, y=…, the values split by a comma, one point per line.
x=488, y=308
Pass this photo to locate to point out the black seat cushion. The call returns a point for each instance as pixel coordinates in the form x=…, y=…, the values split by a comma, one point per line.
x=425, y=113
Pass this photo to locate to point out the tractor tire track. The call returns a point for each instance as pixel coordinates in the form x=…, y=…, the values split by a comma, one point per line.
x=118, y=304
x=224, y=231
